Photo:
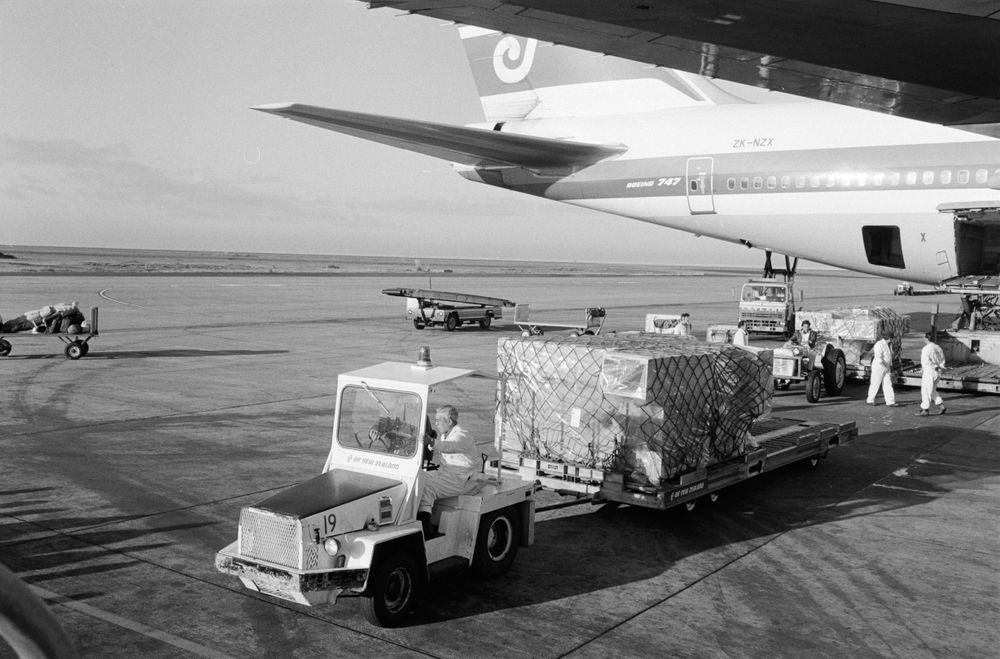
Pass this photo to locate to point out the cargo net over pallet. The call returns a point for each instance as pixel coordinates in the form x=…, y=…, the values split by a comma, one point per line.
x=650, y=404
x=855, y=330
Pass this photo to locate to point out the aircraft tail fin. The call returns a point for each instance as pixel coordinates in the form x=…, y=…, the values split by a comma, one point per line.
x=521, y=78
x=475, y=147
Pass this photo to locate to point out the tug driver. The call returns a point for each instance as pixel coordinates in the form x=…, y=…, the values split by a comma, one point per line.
x=459, y=461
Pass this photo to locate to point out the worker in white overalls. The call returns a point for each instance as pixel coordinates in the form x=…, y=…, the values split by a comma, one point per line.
x=931, y=365
x=458, y=459
x=882, y=372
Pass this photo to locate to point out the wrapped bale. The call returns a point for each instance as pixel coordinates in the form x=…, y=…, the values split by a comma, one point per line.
x=855, y=331
x=651, y=404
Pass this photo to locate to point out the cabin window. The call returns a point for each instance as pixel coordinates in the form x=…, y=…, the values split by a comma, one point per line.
x=945, y=176
x=882, y=246
x=894, y=178
x=879, y=178
x=814, y=181
x=981, y=175
x=928, y=178
x=963, y=177
x=831, y=180
x=862, y=179
x=730, y=184
x=800, y=181
x=758, y=183
x=911, y=178
x=786, y=182
x=745, y=183
x=772, y=182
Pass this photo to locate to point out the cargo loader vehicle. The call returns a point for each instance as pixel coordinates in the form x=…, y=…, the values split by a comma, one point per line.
x=427, y=308
x=767, y=306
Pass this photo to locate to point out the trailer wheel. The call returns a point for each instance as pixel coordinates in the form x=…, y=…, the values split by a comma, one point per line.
x=782, y=385
x=814, y=462
x=418, y=323
x=835, y=372
x=689, y=506
x=713, y=497
x=4, y=347
x=485, y=322
x=451, y=323
x=814, y=386
x=74, y=350
x=393, y=588
x=85, y=347
x=497, y=543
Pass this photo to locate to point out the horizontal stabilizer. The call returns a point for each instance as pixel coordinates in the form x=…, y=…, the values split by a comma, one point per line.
x=475, y=147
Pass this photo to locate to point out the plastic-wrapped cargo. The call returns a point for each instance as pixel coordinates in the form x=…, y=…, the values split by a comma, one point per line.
x=856, y=329
x=651, y=404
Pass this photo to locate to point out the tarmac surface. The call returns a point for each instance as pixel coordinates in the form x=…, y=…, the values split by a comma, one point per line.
x=124, y=472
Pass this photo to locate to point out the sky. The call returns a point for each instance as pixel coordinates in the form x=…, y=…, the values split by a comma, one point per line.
x=128, y=125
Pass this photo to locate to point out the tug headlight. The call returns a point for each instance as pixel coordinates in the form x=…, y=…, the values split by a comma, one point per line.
x=331, y=546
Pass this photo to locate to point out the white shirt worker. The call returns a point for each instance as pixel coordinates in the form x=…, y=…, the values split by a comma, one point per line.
x=458, y=459
x=931, y=365
x=882, y=373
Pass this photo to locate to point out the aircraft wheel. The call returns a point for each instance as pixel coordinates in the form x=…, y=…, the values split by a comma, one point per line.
x=814, y=386
x=451, y=323
x=393, y=588
x=835, y=372
x=5, y=347
x=74, y=350
x=497, y=542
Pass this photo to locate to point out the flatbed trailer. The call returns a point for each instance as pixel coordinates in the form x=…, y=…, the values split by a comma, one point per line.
x=76, y=345
x=780, y=442
x=977, y=378
x=428, y=308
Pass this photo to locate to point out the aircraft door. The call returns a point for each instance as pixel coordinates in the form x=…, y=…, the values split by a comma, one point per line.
x=699, y=185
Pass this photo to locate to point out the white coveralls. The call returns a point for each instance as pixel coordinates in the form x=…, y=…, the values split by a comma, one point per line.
x=882, y=373
x=931, y=363
x=458, y=467
x=740, y=338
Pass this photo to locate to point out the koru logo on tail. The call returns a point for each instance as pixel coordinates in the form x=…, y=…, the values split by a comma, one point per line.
x=510, y=48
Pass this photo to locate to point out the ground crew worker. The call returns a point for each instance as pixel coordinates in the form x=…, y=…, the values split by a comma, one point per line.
x=683, y=326
x=741, y=338
x=882, y=372
x=458, y=459
x=931, y=365
x=804, y=336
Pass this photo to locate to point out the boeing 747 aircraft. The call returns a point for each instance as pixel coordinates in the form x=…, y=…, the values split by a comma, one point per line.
x=871, y=181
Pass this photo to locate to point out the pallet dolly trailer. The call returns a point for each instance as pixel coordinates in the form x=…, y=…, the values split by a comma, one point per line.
x=780, y=442
x=77, y=345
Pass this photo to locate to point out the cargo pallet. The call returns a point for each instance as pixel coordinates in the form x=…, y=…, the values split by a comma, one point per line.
x=780, y=442
x=77, y=345
x=978, y=378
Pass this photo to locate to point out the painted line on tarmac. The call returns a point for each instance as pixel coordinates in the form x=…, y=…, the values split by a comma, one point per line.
x=107, y=297
x=132, y=625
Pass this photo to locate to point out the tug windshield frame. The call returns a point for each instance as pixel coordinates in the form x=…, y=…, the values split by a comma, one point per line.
x=382, y=421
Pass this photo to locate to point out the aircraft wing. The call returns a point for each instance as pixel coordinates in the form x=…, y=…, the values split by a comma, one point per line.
x=476, y=147
x=932, y=60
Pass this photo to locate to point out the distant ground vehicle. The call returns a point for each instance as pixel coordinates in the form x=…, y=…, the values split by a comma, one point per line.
x=352, y=530
x=428, y=308
x=592, y=324
x=768, y=306
x=825, y=366
x=903, y=288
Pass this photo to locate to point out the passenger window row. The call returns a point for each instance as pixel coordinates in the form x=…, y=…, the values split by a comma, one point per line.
x=861, y=179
